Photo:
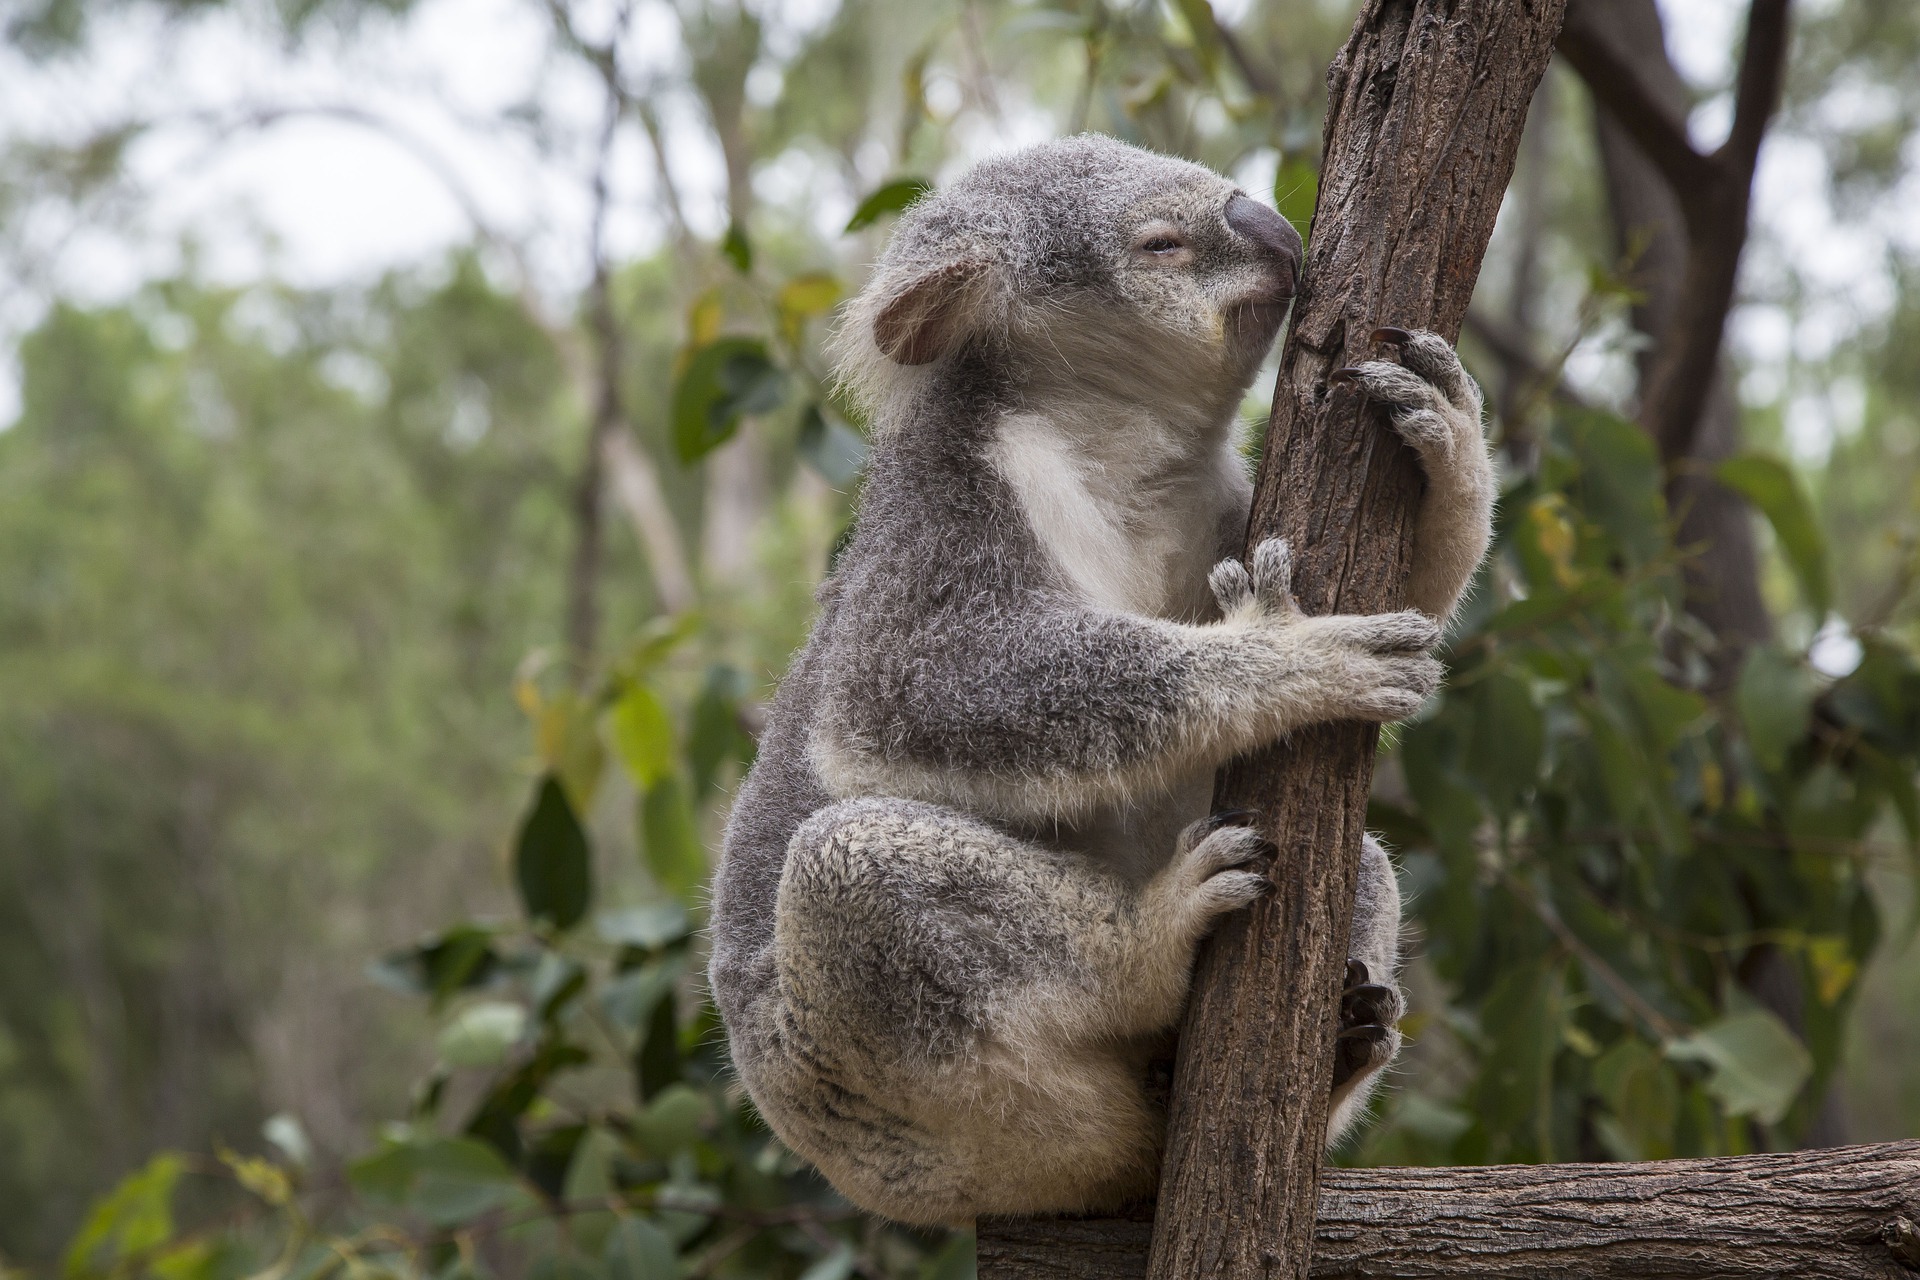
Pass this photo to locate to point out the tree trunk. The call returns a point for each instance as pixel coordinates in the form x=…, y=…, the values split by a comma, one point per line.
x=1426, y=106
x=1723, y=579
x=1836, y=1214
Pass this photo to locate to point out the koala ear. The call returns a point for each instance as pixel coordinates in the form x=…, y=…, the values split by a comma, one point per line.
x=926, y=319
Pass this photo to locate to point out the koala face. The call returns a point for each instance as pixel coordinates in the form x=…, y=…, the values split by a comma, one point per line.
x=1211, y=267
x=1111, y=262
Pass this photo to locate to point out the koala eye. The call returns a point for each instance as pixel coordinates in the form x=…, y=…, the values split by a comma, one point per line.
x=1160, y=239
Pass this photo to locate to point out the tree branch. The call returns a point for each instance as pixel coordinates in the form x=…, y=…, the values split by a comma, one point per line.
x=1717, y=219
x=1619, y=88
x=1832, y=1214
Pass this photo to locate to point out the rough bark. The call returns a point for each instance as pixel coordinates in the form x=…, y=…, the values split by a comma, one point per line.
x=1831, y=1215
x=1426, y=107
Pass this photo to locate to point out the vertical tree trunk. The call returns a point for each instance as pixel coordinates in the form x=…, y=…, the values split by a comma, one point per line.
x=1426, y=106
x=1723, y=580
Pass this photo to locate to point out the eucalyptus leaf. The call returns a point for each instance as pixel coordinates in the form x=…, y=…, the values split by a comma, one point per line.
x=669, y=839
x=1758, y=1065
x=890, y=197
x=723, y=381
x=552, y=866
x=481, y=1034
x=1775, y=697
x=638, y=1250
x=1770, y=485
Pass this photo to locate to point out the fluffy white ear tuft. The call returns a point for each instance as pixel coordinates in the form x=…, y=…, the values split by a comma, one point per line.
x=927, y=319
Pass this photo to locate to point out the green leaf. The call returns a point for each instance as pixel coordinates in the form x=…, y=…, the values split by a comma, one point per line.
x=737, y=249
x=648, y=927
x=889, y=198
x=459, y=959
x=134, y=1218
x=657, y=1064
x=671, y=1121
x=723, y=382
x=1771, y=486
x=638, y=1250
x=1775, y=697
x=445, y=1180
x=837, y=1265
x=836, y=451
x=802, y=298
x=551, y=863
x=714, y=735
x=629, y=1000
x=1503, y=752
x=670, y=839
x=1296, y=186
x=1758, y=1065
x=1619, y=483
x=642, y=735
x=481, y=1034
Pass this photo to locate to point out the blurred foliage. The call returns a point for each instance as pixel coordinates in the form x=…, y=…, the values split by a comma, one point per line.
x=281, y=573
x=1604, y=861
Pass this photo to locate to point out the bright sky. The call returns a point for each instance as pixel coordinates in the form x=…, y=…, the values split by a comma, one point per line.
x=320, y=199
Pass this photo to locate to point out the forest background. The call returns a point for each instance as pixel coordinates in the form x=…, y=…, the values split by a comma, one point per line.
x=416, y=461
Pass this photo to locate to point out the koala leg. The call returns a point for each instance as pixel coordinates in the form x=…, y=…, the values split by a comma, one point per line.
x=1371, y=1005
x=960, y=1021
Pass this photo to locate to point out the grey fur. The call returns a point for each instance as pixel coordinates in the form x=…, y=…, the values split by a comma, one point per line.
x=963, y=883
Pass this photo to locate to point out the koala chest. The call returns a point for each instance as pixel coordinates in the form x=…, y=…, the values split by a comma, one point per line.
x=1129, y=518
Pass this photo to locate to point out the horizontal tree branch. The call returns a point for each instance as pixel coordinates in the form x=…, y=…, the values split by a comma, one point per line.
x=1844, y=1213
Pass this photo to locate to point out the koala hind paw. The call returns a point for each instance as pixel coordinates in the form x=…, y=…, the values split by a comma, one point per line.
x=1368, y=1012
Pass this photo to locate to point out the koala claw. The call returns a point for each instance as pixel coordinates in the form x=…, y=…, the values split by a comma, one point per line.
x=1367, y=1014
x=1211, y=853
x=1230, y=818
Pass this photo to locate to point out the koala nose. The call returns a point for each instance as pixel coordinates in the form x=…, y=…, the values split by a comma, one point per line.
x=1265, y=228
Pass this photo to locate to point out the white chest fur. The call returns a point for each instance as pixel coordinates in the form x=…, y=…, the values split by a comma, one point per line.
x=1129, y=509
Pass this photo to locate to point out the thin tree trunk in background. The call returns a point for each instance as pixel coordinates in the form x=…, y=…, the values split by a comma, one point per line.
x=1723, y=579
x=1722, y=573
x=583, y=576
x=1426, y=106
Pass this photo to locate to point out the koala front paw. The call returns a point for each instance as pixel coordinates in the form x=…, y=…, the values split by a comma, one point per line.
x=1431, y=400
x=1344, y=666
x=1368, y=1036
x=1207, y=874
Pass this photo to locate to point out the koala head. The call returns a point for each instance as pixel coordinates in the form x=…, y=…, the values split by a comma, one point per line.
x=1080, y=261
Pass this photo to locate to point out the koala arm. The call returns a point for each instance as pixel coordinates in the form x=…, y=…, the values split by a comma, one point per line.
x=1435, y=406
x=1051, y=710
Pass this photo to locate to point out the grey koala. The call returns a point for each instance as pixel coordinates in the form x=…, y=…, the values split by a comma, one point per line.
x=962, y=886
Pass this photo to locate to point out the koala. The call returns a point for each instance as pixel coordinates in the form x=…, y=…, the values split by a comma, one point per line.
x=962, y=885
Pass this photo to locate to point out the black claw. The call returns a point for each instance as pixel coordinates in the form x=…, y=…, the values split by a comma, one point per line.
x=1387, y=333
x=1357, y=974
x=1367, y=1003
x=1353, y=1052
x=1233, y=818
x=1347, y=374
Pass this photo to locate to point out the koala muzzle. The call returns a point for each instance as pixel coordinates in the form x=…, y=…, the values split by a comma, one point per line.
x=1267, y=229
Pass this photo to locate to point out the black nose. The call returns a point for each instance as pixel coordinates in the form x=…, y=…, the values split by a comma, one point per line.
x=1265, y=228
